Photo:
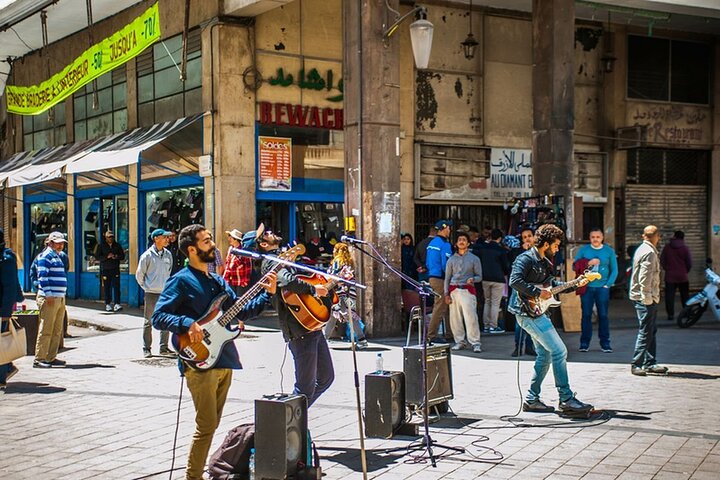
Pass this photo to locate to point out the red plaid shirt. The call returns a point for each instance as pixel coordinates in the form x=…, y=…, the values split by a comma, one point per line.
x=237, y=270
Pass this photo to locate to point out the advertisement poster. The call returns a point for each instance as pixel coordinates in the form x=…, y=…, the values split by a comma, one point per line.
x=510, y=173
x=275, y=164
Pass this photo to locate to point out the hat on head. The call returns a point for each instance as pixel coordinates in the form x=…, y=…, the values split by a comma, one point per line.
x=159, y=232
x=235, y=233
x=56, y=237
x=441, y=224
x=109, y=233
x=250, y=238
x=511, y=241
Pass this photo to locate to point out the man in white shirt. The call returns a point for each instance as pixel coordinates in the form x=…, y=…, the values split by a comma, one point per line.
x=152, y=273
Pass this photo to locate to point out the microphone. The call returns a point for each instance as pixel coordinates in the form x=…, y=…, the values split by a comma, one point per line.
x=346, y=239
x=244, y=253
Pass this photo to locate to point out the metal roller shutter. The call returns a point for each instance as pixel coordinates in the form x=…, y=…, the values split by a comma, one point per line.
x=670, y=207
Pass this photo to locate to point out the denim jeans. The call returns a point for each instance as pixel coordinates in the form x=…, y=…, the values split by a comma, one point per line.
x=599, y=296
x=314, y=371
x=550, y=350
x=519, y=332
x=646, y=344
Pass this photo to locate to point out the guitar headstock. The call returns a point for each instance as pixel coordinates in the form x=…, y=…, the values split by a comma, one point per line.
x=591, y=276
x=292, y=253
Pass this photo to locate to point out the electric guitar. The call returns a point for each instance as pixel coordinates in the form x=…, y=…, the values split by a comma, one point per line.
x=538, y=306
x=204, y=354
x=312, y=312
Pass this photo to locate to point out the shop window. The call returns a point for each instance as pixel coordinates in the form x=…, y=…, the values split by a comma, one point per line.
x=174, y=209
x=109, y=113
x=654, y=166
x=98, y=215
x=668, y=70
x=316, y=153
x=45, y=218
x=46, y=129
x=162, y=96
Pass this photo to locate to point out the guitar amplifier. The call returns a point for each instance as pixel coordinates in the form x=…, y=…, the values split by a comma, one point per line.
x=384, y=403
x=439, y=374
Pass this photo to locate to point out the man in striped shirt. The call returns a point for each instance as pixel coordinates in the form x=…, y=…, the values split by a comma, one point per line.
x=52, y=286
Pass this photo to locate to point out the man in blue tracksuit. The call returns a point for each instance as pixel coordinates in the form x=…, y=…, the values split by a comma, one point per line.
x=439, y=250
x=183, y=301
x=601, y=258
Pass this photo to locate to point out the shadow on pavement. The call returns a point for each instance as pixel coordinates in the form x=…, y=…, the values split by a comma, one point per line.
x=629, y=415
x=692, y=375
x=83, y=366
x=350, y=457
x=31, y=387
x=340, y=346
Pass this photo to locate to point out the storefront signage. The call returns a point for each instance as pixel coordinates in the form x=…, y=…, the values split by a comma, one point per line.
x=300, y=116
x=310, y=81
x=102, y=57
x=275, y=164
x=510, y=173
x=679, y=124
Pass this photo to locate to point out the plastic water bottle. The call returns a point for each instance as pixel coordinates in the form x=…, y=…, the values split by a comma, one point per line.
x=251, y=465
x=379, y=364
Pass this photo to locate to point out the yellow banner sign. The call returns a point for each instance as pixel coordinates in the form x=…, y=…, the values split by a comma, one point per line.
x=96, y=60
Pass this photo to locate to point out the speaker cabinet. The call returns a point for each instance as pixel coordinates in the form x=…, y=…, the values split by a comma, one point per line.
x=439, y=374
x=384, y=403
x=280, y=436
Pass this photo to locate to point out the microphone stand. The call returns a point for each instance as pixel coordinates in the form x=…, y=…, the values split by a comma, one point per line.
x=424, y=291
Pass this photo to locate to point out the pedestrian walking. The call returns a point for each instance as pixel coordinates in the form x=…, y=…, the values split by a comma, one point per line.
x=676, y=260
x=407, y=262
x=153, y=271
x=495, y=267
x=439, y=250
x=10, y=293
x=463, y=271
x=645, y=295
x=110, y=253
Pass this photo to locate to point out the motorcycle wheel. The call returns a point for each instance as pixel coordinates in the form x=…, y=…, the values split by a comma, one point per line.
x=690, y=315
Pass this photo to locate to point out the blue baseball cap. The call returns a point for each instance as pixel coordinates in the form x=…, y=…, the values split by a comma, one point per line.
x=159, y=232
x=441, y=224
x=249, y=240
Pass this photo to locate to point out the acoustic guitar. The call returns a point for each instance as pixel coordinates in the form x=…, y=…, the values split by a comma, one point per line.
x=310, y=311
x=215, y=322
x=538, y=306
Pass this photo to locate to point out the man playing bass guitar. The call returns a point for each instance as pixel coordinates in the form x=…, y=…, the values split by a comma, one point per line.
x=184, y=300
x=531, y=268
x=314, y=372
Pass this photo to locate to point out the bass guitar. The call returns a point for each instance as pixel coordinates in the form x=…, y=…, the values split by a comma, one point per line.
x=538, y=306
x=214, y=322
x=312, y=312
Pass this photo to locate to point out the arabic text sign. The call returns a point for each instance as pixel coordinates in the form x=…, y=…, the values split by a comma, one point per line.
x=102, y=57
x=510, y=173
x=275, y=164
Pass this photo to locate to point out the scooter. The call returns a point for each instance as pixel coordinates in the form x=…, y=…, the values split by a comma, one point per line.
x=698, y=303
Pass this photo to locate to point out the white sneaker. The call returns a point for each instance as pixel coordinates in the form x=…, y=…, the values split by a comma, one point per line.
x=108, y=308
x=457, y=346
x=117, y=307
x=477, y=348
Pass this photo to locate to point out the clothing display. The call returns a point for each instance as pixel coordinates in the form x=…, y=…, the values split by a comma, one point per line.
x=174, y=209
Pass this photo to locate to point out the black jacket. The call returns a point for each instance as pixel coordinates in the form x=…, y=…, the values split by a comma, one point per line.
x=109, y=264
x=528, y=270
x=495, y=264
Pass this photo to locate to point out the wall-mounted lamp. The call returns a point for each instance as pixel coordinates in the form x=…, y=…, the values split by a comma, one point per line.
x=607, y=61
x=421, y=34
x=469, y=44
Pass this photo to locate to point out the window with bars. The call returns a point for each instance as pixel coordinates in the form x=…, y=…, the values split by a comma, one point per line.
x=162, y=96
x=654, y=166
x=46, y=129
x=105, y=114
x=668, y=70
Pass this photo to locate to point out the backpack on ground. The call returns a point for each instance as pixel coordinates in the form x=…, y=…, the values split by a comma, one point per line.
x=230, y=461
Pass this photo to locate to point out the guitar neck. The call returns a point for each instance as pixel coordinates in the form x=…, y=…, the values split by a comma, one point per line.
x=247, y=297
x=566, y=286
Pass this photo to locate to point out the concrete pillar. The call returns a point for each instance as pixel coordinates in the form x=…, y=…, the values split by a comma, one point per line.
x=553, y=83
x=714, y=247
x=372, y=178
x=230, y=131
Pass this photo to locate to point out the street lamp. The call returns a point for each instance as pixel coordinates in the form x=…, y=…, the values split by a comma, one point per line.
x=421, y=35
x=469, y=44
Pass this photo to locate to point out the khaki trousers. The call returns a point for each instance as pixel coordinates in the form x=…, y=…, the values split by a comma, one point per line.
x=50, y=332
x=209, y=390
x=440, y=310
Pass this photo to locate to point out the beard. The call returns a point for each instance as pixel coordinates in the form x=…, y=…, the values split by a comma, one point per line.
x=206, y=256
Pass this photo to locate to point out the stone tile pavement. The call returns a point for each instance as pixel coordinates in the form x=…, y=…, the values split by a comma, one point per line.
x=112, y=414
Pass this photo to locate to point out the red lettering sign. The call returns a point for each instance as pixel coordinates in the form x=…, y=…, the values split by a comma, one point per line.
x=300, y=116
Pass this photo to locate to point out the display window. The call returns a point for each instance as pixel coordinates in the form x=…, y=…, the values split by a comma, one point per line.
x=98, y=215
x=174, y=209
x=45, y=218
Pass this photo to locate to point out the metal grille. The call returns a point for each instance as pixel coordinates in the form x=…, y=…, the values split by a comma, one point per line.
x=650, y=166
x=471, y=215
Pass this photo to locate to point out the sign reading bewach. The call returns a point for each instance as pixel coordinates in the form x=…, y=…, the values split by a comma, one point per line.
x=102, y=57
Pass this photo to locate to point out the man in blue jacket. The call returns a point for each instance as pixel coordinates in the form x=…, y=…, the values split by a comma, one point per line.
x=10, y=293
x=184, y=300
x=439, y=250
x=530, y=269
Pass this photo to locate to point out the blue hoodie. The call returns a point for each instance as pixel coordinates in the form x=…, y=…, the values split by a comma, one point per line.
x=608, y=267
x=438, y=252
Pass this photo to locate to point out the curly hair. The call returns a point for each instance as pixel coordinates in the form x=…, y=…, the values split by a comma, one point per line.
x=341, y=255
x=548, y=233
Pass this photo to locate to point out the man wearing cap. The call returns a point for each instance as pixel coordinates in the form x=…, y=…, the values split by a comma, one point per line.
x=237, y=269
x=109, y=253
x=52, y=286
x=153, y=271
x=439, y=250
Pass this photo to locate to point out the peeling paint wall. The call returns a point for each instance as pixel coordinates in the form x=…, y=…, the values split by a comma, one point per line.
x=589, y=44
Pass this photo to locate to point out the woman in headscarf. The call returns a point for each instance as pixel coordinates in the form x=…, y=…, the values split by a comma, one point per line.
x=407, y=262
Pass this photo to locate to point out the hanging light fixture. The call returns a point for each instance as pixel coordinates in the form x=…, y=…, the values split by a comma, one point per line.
x=608, y=58
x=470, y=44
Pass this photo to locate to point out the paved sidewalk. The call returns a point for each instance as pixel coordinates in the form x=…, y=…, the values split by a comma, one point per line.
x=112, y=414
